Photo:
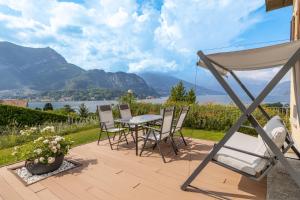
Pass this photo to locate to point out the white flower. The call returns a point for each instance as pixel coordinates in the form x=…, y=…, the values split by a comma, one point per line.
x=48, y=129
x=22, y=132
x=54, y=149
x=38, y=151
x=46, y=141
x=42, y=159
x=36, y=161
x=16, y=148
x=51, y=160
x=58, y=146
x=53, y=142
x=33, y=128
x=58, y=138
x=14, y=153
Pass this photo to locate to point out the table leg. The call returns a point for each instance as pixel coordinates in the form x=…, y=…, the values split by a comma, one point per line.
x=136, y=140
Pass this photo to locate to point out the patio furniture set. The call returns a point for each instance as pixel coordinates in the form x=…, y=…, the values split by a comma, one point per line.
x=155, y=128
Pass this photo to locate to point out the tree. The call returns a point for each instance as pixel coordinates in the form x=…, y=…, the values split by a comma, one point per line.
x=178, y=93
x=83, y=111
x=191, y=96
x=68, y=109
x=129, y=98
x=48, y=106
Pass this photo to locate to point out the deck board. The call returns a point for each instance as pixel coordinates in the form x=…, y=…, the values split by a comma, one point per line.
x=119, y=174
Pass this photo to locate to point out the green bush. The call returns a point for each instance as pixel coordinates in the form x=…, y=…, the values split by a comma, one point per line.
x=209, y=116
x=16, y=116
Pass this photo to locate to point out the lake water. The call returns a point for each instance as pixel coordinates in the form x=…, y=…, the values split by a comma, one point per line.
x=203, y=99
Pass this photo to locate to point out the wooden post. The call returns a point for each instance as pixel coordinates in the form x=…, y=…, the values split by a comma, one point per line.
x=295, y=35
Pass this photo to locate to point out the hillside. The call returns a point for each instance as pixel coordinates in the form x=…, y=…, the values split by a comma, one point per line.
x=162, y=83
x=43, y=69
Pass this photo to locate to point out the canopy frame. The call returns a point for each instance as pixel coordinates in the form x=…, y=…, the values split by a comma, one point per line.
x=247, y=115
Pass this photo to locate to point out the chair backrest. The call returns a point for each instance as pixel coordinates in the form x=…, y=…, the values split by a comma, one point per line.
x=183, y=113
x=167, y=121
x=125, y=111
x=106, y=116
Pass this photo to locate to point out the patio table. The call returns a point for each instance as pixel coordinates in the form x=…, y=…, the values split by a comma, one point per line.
x=136, y=121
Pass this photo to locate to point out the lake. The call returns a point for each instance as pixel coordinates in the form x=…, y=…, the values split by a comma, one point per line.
x=203, y=99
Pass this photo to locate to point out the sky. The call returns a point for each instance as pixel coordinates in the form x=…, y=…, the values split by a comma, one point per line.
x=144, y=35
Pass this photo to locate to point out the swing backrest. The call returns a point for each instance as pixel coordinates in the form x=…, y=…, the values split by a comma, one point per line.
x=276, y=130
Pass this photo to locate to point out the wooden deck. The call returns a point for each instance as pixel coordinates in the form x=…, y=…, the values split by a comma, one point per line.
x=119, y=174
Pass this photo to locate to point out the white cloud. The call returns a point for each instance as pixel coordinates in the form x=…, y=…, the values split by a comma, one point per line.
x=120, y=34
x=152, y=64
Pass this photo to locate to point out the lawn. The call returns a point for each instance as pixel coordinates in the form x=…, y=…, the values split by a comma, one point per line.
x=91, y=135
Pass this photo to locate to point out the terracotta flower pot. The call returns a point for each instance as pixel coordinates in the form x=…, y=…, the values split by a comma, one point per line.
x=39, y=168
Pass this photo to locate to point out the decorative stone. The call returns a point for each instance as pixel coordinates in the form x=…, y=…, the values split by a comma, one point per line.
x=29, y=178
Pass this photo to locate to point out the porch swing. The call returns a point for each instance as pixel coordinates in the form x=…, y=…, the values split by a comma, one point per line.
x=251, y=156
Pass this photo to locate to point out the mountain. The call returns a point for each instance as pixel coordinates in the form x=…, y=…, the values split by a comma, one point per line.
x=282, y=89
x=43, y=69
x=162, y=83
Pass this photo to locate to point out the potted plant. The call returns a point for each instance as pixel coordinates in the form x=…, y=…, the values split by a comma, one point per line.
x=45, y=154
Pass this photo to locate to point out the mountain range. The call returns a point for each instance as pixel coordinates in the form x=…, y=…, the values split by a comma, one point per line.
x=162, y=83
x=43, y=69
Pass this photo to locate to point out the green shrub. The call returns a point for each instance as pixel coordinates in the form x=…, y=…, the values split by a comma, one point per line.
x=209, y=116
x=16, y=116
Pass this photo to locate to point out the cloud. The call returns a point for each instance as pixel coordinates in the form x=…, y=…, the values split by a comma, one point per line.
x=127, y=35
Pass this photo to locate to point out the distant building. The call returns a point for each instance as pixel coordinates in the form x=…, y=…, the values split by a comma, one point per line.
x=15, y=102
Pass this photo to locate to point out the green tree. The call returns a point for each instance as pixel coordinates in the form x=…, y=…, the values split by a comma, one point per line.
x=68, y=109
x=48, y=106
x=83, y=111
x=191, y=96
x=178, y=93
x=129, y=98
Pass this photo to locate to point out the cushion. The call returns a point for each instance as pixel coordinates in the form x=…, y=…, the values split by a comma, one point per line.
x=241, y=161
x=247, y=163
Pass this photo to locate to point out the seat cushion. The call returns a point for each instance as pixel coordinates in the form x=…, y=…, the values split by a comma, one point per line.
x=114, y=130
x=241, y=161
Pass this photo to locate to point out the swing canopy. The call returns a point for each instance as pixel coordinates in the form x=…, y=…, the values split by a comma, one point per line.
x=253, y=59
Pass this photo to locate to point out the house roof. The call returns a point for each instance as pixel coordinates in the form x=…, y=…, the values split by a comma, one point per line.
x=14, y=102
x=276, y=4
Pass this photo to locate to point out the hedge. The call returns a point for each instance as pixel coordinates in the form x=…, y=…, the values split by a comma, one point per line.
x=208, y=116
x=17, y=116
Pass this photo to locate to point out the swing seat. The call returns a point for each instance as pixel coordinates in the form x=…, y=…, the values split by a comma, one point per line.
x=260, y=158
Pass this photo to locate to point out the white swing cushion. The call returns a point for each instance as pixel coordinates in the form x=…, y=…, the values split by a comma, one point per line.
x=250, y=164
x=241, y=161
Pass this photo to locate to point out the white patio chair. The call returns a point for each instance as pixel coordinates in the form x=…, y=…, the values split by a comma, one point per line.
x=164, y=132
x=126, y=115
x=107, y=125
x=177, y=128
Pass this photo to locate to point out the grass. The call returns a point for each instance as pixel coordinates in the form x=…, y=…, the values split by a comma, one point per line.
x=91, y=135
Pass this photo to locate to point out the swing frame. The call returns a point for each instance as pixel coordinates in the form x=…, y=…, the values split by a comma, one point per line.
x=247, y=115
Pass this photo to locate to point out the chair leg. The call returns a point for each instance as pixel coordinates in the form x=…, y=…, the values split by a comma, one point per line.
x=162, y=155
x=145, y=141
x=175, y=149
x=125, y=137
x=120, y=137
x=109, y=141
x=154, y=146
x=100, y=133
x=182, y=138
x=114, y=136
